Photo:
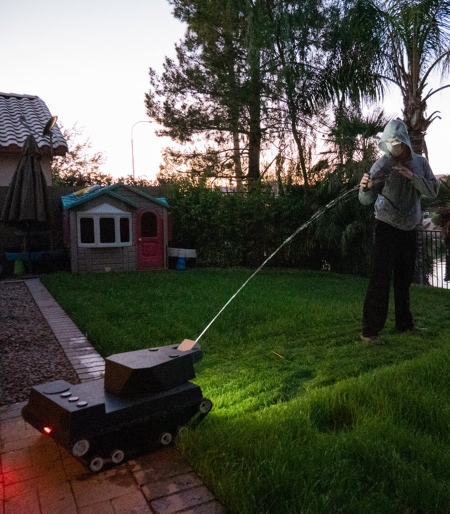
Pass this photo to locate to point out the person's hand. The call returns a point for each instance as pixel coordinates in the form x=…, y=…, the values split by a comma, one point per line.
x=366, y=182
x=403, y=170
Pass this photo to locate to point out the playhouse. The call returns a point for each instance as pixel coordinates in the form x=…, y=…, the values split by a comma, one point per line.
x=116, y=228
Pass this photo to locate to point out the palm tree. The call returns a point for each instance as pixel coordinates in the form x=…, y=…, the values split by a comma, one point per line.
x=417, y=45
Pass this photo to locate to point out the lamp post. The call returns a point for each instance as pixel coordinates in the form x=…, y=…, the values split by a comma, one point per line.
x=132, y=147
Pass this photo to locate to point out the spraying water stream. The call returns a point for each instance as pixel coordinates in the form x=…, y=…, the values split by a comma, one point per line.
x=343, y=197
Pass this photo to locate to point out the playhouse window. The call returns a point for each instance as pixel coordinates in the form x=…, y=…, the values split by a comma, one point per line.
x=107, y=230
x=87, y=230
x=124, y=230
x=149, y=225
x=104, y=230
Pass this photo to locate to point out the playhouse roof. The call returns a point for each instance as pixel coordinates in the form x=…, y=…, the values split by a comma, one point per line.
x=22, y=115
x=114, y=191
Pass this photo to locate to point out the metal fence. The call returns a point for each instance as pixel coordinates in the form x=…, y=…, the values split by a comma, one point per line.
x=433, y=260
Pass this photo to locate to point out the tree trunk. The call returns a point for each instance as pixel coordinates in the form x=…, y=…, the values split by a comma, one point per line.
x=254, y=102
x=237, y=160
x=254, y=149
x=414, y=117
x=301, y=153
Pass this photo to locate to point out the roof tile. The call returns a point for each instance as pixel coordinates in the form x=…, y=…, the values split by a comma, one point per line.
x=21, y=115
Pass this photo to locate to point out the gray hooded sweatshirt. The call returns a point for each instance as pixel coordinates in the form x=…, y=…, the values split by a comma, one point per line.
x=397, y=199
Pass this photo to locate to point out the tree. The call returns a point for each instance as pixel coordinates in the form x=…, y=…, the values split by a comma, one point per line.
x=295, y=57
x=214, y=90
x=253, y=78
x=352, y=138
x=418, y=44
x=78, y=167
x=415, y=46
x=235, y=82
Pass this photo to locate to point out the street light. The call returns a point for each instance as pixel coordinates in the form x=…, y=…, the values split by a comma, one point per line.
x=132, y=147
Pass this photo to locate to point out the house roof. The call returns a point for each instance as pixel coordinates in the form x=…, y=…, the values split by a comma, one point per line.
x=22, y=115
x=91, y=192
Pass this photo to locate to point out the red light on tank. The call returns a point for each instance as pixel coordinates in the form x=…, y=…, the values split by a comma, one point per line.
x=47, y=430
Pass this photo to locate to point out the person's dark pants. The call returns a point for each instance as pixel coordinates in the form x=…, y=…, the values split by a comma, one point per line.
x=393, y=256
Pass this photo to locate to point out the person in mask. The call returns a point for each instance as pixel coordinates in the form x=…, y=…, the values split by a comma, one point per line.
x=396, y=182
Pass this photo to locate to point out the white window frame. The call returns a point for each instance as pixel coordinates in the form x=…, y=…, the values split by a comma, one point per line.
x=96, y=214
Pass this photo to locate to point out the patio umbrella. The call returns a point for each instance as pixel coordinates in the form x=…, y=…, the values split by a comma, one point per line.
x=26, y=203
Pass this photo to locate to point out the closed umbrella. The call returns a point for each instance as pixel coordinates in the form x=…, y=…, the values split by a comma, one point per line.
x=26, y=203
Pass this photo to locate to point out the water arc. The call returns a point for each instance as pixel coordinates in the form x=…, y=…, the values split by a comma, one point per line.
x=346, y=195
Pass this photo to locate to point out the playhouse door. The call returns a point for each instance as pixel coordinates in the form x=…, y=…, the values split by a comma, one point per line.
x=150, y=241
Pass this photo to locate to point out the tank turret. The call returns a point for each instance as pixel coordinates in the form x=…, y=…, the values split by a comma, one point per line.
x=152, y=369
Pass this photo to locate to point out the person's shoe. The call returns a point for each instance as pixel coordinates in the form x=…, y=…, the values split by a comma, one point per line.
x=372, y=340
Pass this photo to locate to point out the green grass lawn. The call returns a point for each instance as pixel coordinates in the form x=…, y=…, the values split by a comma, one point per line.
x=306, y=419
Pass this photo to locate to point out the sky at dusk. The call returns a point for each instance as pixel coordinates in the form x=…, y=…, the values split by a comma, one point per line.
x=89, y=59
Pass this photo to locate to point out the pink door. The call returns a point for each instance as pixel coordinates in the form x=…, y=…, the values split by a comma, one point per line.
x=150, y=241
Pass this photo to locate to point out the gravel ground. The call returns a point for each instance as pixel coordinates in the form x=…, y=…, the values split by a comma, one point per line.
x=29, y=352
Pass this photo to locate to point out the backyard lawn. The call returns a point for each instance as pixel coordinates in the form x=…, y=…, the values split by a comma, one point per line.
x=306, y=419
